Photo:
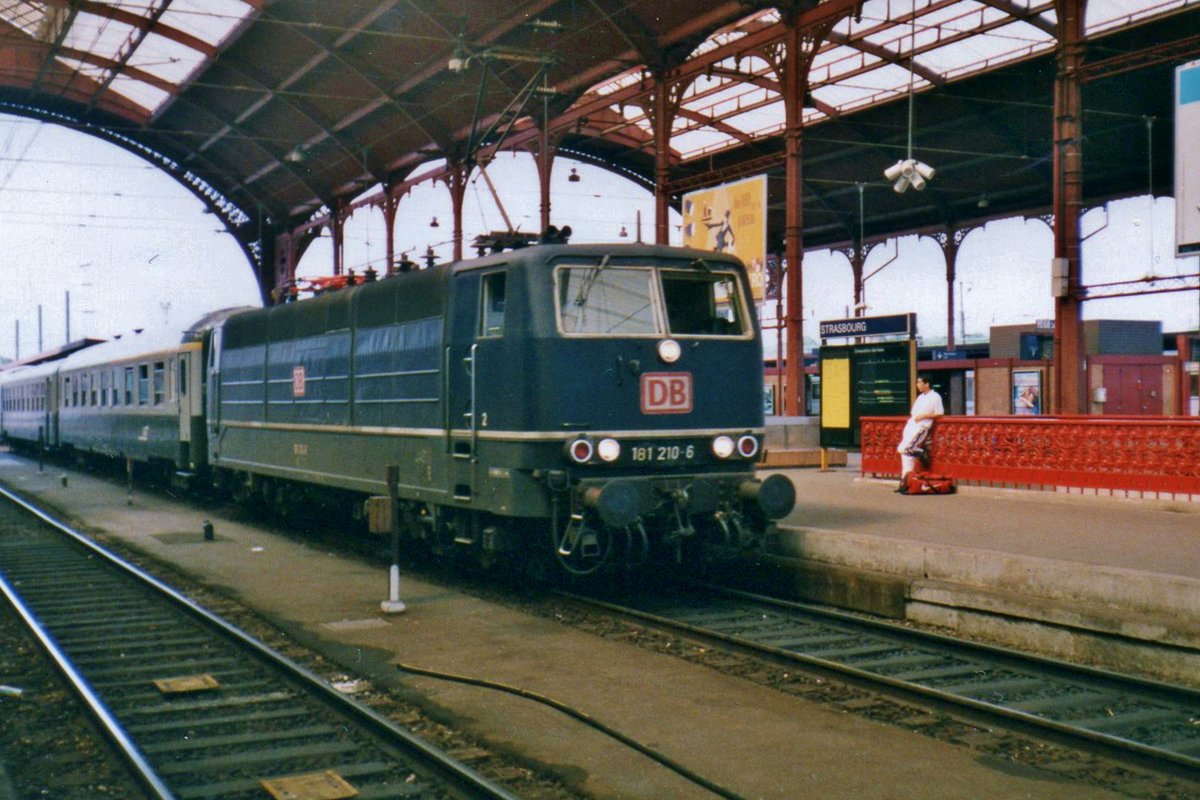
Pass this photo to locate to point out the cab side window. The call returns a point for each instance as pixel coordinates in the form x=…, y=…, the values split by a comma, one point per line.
x=492, y=318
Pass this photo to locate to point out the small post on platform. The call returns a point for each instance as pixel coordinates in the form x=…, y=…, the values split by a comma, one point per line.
x=129, y=481
x=41, y=447
x=394, y=605
x=824, y=459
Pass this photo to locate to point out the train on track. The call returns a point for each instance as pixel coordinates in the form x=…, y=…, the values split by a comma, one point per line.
x=589, y=405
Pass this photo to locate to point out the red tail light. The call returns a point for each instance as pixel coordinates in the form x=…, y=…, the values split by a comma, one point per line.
x=581, y=451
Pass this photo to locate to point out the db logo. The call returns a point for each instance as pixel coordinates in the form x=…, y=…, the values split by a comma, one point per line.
x=666, y=392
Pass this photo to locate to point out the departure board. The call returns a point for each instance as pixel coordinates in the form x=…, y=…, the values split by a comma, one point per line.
x=867, y=380
x=881, y=376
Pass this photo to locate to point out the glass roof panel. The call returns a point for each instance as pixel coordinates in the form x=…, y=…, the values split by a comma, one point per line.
x=1013, y=41
x=210, y=20
x=166, y=59
x=833, y=62
x=703, y=84
x=616, y=84
x=636, y=117
x=760, y=121
x=28, y=17
x=730, y=100
x=1103, y=15
x=700, y=142
x=117, y=42
x=99, y=35
x=140, y=92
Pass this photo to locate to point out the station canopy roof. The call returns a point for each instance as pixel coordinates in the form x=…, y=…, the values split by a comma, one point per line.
x=277, y=111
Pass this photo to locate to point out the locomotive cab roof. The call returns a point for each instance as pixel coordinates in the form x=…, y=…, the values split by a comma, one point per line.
x=550, y=252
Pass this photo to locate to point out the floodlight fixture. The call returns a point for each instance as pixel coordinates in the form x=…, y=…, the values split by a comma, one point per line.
x=460, y=60
x=909, y=172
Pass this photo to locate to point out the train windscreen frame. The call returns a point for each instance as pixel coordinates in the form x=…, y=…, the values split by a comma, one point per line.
x=625, y=300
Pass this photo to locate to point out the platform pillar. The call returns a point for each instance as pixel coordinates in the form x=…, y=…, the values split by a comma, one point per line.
x=662, y=116
x=792, y=66
x=545, y=168
x=337, y=227
x=1069, y=383
x=391, y=204
x=457, y=181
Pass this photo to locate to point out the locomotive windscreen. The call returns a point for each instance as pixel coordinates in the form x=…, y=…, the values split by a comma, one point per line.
x=638, y=301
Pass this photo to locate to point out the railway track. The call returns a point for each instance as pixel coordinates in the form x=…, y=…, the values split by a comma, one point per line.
x=199, y=708
x=1156, y=724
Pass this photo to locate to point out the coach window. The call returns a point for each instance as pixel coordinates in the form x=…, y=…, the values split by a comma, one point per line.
x=160, y=382
x=95, y=384
x=183, y=362
x=492, y=319
x=143, y=384
x=129, y=385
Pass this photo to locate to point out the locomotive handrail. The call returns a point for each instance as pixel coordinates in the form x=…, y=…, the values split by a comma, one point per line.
x=1158, y=455
x=474, y=415
x=446, y=426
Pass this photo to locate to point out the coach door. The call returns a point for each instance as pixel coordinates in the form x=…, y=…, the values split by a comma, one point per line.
x=212, y=388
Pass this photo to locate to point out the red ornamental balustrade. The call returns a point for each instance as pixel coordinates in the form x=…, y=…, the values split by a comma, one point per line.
x=1146, y=454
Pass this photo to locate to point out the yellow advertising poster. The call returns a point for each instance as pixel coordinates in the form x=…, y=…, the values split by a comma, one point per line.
x=731, y=218
x=835, y=393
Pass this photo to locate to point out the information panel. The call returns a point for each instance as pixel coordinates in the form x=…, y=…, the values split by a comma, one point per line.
x=1187, y=158
x=875, y=380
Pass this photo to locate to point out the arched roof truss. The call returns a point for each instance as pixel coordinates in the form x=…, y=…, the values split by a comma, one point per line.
x=285, y=110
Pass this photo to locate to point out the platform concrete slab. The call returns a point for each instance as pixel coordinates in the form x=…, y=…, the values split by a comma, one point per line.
x=1064, y=574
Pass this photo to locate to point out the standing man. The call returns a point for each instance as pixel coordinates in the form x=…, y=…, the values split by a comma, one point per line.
x=926, y=408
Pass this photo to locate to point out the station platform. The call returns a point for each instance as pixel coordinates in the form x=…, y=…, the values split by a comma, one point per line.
x=852, y=536
x=1108, y=581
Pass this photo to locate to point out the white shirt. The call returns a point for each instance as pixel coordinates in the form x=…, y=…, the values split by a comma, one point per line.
x=926, y=403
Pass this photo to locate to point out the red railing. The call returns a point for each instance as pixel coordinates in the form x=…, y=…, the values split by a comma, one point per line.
x=1144, y=454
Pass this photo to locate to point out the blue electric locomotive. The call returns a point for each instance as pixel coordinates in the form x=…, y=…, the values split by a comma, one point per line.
x=596, y=403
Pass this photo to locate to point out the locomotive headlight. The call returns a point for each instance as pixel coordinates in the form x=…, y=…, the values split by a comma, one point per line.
x=669, y=351
x=580, y=451
x=747, y=446
x=722, y=447
x=608, y=449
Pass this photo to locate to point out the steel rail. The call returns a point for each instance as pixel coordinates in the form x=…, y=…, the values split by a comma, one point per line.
x=997, y=656
x=454, y=772
x=129, y=751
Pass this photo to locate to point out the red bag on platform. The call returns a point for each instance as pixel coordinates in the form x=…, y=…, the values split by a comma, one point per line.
x=928, y=483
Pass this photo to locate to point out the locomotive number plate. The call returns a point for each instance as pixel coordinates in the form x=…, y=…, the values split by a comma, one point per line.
x=666, y=392
x=663, y=453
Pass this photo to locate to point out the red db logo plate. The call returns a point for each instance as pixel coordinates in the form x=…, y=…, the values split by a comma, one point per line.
x=666, y=392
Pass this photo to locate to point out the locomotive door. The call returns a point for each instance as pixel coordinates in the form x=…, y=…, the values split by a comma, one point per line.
x=461, y=375
x=472, y=370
